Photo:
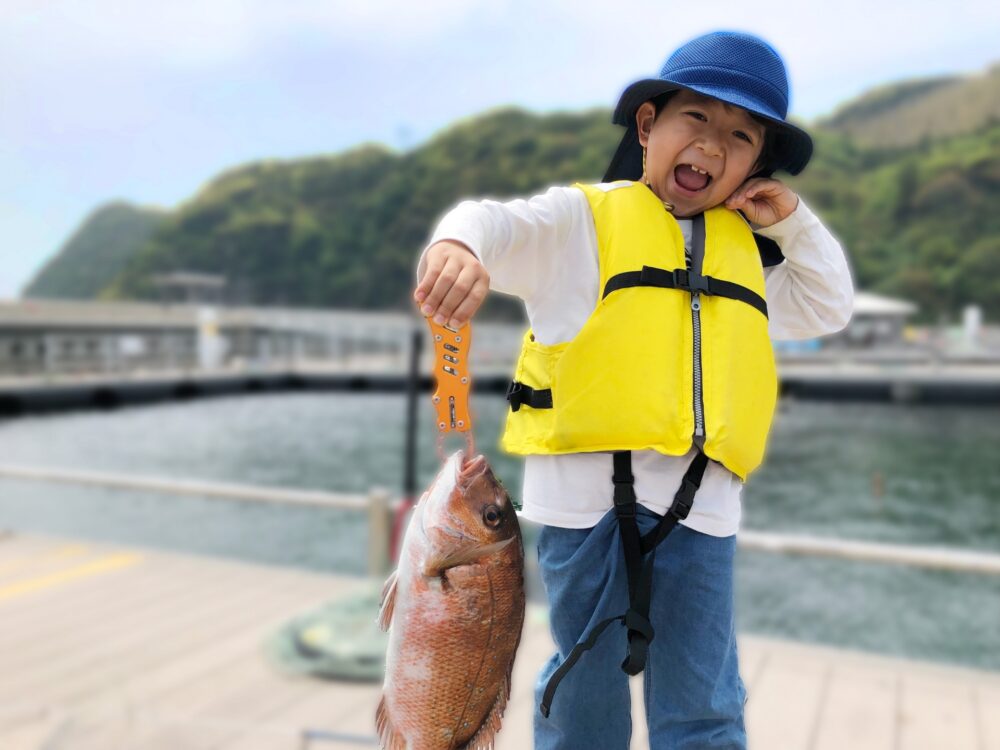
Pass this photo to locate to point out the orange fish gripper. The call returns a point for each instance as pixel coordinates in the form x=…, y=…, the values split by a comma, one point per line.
x=453, y=379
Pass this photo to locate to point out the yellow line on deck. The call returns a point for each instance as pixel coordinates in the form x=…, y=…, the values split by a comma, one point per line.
x=103, y=565
x=67, y=550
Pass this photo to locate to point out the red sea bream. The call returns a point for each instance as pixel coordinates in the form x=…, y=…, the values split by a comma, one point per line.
x=454, y=609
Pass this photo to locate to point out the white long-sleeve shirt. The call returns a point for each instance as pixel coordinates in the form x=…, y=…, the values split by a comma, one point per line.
x=544, y=250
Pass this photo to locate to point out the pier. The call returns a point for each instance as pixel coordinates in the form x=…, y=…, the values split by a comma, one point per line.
x=108, y=646
x=60, y=355
x=118, y=646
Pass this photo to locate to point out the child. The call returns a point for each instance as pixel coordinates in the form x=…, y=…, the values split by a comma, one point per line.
x=652, y=299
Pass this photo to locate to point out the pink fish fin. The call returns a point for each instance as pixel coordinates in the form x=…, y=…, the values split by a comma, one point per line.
x=438, y=563
x=388, y=602
x=388, y=738
x=485, y=736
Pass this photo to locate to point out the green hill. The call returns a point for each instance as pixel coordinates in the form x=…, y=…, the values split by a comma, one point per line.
x=914, y=211
x=96, y=253
x=918, y=223
x=912, y=113
x=343, y=231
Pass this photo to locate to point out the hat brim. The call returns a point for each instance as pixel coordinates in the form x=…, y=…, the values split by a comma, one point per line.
x=793, y=147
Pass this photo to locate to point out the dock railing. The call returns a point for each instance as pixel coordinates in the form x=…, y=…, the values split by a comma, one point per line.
x=376, y=503
x=380, y=508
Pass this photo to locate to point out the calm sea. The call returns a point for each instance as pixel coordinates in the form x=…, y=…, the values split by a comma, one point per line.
x=877, y=472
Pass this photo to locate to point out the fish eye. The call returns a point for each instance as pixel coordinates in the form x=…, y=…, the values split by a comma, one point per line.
x=492, y=516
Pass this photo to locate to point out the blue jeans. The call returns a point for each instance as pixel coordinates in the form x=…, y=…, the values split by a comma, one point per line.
x=694, y=695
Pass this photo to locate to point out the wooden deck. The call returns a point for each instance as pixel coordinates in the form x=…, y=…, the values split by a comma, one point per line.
x=104, y=647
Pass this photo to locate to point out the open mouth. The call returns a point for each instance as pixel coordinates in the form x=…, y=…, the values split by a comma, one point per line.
x=691, y=178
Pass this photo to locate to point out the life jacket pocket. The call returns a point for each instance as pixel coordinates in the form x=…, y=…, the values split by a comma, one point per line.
x=528, y=428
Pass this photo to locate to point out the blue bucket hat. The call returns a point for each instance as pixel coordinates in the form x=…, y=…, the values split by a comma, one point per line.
x=731, y=66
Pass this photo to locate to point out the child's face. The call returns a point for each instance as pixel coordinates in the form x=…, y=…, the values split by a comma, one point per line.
x=697, y=130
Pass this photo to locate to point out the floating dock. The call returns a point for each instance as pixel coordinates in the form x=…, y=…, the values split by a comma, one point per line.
x=829, y=379
x=105, y=646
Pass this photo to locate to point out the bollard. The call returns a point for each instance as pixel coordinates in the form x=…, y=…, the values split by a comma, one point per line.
x=379, y=528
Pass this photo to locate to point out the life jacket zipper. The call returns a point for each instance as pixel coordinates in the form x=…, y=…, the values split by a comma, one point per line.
x=699, y=407
x=694, y=262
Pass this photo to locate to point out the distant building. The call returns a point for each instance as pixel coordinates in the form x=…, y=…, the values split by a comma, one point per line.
x=877, y=322
x=190, y=287
x=74, y=337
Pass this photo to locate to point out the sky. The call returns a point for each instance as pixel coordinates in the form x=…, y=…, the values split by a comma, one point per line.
x=106, y=100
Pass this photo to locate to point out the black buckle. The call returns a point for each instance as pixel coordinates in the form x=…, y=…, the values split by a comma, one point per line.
x=624, y=497
x=690, y=281
x=683, y=500
x=514, y=391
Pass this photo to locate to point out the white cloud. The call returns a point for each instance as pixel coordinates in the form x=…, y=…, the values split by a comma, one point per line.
x=200, y=32
x=820, y=41
x=823, y=44
x=380, y=20
x=181, y=32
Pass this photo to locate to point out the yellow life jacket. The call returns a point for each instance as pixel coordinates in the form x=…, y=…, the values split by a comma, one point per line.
x=669, y=357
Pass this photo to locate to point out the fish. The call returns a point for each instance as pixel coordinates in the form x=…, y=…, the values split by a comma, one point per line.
x=454, y=609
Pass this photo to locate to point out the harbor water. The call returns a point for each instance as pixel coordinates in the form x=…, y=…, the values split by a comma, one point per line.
x=873, y=472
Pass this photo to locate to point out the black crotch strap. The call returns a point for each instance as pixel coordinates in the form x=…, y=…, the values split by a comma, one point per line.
x=639, y=572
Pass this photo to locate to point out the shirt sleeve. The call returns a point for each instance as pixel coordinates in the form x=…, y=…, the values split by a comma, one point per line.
x=811, y=292
x=524, y=244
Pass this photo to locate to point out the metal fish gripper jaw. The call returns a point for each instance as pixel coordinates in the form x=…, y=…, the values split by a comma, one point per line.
x=453, y=381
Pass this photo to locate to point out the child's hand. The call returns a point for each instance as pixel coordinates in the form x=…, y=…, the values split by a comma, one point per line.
x=763, y=201
x=454, y=284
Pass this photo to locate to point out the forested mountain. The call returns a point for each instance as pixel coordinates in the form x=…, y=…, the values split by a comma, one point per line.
x=343, y=231
x=911, y=112
x=96, y=253
x=918, y=223
x=910, y=194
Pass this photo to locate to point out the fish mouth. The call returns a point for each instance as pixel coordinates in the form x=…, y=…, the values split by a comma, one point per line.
x=466, y=471
x=470, y=469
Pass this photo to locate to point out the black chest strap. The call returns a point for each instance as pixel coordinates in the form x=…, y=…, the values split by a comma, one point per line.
x=688, y=281
x=638, y=571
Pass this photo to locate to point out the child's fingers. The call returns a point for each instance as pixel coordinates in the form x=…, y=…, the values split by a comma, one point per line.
x=737, y=199
x=468, y=306
x=750, y=189
x=442, y=285
x=435, y=264
x=460, y=287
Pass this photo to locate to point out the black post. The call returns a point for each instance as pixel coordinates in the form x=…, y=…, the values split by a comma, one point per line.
x=412, y=388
